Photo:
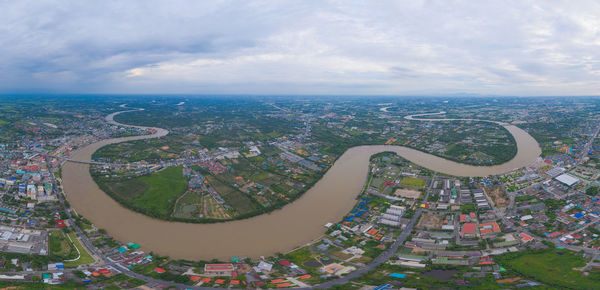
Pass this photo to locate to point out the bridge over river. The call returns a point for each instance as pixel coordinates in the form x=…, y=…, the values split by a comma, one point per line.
x=294, y=225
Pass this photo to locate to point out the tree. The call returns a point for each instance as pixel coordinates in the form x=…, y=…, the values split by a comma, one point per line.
x=592, y=190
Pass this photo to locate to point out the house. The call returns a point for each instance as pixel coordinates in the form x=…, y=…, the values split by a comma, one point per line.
x=219, y=269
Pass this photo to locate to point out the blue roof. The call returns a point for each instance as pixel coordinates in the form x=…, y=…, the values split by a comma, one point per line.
x=383, y=287
x=397, y=275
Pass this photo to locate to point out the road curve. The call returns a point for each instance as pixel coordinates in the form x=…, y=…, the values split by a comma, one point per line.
x=294, y=225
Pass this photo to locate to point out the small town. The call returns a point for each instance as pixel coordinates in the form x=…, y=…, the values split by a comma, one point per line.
x=410, y=227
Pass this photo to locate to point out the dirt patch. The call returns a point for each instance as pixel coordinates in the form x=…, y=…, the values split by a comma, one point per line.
x=430, y=221
x=408, y=193
x=498, y=195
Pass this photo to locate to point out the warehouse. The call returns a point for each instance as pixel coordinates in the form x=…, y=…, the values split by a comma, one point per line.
x=567, y=179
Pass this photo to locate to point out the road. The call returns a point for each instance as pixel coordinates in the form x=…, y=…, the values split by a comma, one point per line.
x=391, y=251
x=588, y=145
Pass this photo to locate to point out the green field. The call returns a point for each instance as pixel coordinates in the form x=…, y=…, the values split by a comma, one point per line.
x=129, y=189
x=59, y=245
x=413, y=181
x=163, y=189
x=552, y=267
x=153, y=194
x=84, y=257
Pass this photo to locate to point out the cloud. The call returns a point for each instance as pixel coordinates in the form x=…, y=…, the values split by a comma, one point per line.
x=301, y=47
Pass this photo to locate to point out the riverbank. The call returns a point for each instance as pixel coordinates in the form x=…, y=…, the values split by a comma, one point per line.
x=293, y=225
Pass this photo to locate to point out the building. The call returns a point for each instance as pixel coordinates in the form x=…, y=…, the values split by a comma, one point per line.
x=567, y=179
x=392, y=216
x=219, y=269
x=468, y=230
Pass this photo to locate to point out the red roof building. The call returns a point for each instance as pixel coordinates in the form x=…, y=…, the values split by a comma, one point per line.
x=525, y=237
x=159, y=270
x=218, y=269
x=488, y=228
x=205, y=280
x=275, y=281
x=468, y=230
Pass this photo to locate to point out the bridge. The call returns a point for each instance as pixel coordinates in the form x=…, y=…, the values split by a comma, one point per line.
x=94, y=162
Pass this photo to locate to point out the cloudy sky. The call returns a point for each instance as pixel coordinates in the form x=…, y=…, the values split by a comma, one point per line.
x=301, y=47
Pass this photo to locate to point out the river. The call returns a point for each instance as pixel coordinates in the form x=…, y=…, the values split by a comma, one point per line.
x=278, y=232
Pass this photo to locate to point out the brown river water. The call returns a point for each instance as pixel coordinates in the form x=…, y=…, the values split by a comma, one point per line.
x=294, y=225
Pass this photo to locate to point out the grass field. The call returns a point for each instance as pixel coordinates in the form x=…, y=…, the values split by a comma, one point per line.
x=261, y=176
x=413, y=181
x=552, y=267
x=129, y=189
x=84, y=257
x=164, y=187
x=59, y=245
x=153, y=194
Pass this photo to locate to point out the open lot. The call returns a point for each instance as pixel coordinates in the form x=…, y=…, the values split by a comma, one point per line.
x=430, y=221
x=408, y=193
x=498, y=196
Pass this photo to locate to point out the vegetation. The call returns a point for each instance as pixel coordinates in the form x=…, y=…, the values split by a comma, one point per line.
x=553, y=267
x=60, y=246
x=592, y=190
x=84, y=257
x=413, y=181
x=153, y=194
